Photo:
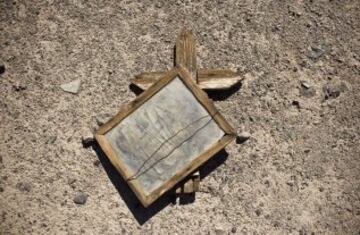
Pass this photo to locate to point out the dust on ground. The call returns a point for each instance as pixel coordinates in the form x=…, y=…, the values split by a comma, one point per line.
x=299, y=173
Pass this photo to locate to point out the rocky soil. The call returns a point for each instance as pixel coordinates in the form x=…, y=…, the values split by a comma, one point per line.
x=298, y=173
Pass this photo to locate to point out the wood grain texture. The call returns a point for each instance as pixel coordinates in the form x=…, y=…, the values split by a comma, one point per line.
x=145, y=80
x=186, y=52
x=148, y=194
x=217, y=79
x=207, y=79
x=192, y=185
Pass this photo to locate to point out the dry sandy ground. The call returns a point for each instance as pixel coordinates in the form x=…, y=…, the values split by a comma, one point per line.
x=299, y=173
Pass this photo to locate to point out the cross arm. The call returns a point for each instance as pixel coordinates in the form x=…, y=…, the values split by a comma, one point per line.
x=208, y=79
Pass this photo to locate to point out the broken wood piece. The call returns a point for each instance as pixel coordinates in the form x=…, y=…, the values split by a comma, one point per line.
x=208, y=79
x=185, y=52
x=190, y=186
x=196, y=178
x=145, y=80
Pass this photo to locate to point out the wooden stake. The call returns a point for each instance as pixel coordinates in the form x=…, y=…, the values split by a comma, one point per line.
x=186, y=52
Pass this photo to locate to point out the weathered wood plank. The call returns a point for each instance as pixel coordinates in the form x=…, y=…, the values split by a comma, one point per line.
x=207, y=79
x=192, y=185
x=196, y=179
x=217, y=79
x=186, y=52
x=145, y=80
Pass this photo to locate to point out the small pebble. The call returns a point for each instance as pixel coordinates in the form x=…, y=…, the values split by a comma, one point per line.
x=24, y=187
x=290, y=183
x=305, y=84
x=80, y=198
x=233, y=229
x=71, y=87
x=96, y=162
x=334, y=90
x=87, y=138
x=243, y=136
x=258, y=212
x=2, y=69
x=296, y=103
x=316, y=52
x=19, y=87
x=51, y=139
x=102, y=119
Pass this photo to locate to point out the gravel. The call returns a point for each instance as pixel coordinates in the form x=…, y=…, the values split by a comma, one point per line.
x=80, y=198
x=48, y=43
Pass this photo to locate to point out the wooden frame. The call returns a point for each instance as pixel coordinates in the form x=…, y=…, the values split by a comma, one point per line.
x=201, y=97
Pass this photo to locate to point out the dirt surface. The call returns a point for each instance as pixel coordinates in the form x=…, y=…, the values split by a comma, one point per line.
x=299, y=173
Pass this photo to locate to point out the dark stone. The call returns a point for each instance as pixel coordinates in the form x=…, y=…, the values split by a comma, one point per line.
x=96, y=162
x=233, y=229
x=2, y=69
x=87, y=138
x=290, y=183
x=333, y=91
x=296, y=103
x=24, y=187
x=19, y=87
x=242, y=137
x=80, y=198
x=316, y=52
x=258, y=212
x=87, y=142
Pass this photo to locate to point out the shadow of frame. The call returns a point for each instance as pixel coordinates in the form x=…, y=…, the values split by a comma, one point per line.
x=141, y=213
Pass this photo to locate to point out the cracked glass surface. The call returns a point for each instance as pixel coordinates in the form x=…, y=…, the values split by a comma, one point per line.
x=164, y=135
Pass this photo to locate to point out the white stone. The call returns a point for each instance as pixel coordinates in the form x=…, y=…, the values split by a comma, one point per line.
x=71, y=87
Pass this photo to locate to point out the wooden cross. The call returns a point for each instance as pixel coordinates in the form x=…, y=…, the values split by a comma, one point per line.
x=207, y=79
